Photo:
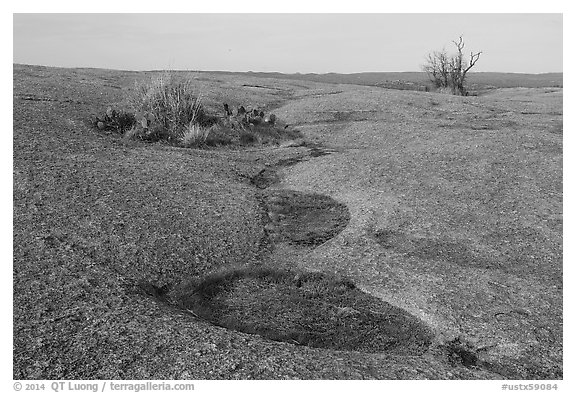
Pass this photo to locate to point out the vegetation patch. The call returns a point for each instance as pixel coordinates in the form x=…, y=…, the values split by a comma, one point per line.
x=460, y=351
x=305, y=219
x=304, y=308
x=168, y=108
x=113, y=120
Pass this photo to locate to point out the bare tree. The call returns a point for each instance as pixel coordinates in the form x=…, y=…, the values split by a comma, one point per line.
x=447, y=71
x=437, y=68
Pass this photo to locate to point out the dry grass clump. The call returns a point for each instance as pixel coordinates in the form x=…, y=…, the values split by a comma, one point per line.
x=169, y=108
x=194, y=135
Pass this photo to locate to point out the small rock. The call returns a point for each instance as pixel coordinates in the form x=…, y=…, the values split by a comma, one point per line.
x=297, y=280
x=270, y=119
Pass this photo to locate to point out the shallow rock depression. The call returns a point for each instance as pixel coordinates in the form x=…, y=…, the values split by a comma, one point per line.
x=304, y=308
x=302, y=219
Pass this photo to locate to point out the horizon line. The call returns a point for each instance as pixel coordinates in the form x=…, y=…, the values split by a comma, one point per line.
x=284, y=73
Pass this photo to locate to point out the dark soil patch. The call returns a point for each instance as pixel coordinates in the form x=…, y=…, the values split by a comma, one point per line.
x=459, y=351
x=305, y=219
x=343, y=116
x=319, y=152
x=386, y=238
x=310, y=309
x=268, y=176
x=289, y=161
x=264, y=87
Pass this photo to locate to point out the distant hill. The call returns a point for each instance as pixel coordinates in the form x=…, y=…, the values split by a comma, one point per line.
x=476, y=81
x=419, y=80
x=501, y=79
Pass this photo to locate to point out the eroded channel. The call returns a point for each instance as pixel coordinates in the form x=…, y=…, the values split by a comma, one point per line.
x=288, y=304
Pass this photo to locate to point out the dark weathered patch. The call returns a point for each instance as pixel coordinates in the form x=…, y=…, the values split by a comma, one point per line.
x=304, y=308
x=305, y=219
x=319, y=152
x=460, y=351
x=435, y=249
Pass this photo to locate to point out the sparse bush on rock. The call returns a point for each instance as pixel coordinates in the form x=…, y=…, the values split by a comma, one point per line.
x=448, y=72
x=168, y=108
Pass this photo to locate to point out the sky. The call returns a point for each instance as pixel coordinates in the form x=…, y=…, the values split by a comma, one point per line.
x=289, y=43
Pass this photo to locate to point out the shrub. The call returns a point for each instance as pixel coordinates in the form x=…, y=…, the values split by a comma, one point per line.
x=167, y=106
x=448, y=72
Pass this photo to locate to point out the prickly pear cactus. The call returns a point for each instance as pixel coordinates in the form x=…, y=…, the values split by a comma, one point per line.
x=113, y=120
